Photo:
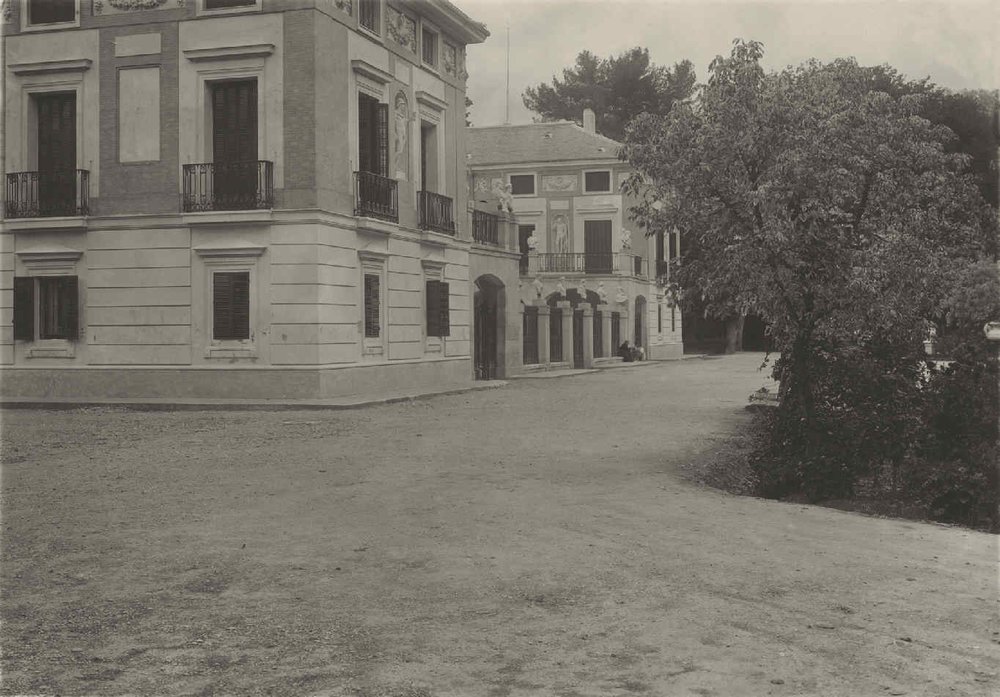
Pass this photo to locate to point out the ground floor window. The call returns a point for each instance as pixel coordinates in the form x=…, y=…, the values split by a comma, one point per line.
x=373, y=306
x=438, y=309
x=231, y=305
x=46, y=307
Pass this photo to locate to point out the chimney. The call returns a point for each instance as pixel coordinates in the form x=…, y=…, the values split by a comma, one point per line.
x=589, y=121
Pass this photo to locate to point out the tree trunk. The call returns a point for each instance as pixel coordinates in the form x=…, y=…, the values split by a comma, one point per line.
x=734, y=333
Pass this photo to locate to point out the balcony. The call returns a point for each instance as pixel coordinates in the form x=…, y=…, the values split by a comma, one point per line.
x=486, y=228
x=606, y=264
x=376, y=196
x=228, y=186
x=47, y=194
x=436, y=212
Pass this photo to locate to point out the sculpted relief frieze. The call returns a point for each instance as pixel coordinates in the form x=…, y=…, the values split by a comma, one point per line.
x=402, y=29
x=449, y=59
x=560, y=183
x=110, y=7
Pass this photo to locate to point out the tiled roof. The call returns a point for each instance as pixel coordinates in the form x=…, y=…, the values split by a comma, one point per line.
x=555, y=141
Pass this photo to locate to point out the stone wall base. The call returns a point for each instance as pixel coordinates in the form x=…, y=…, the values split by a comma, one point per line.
x=665, y=352
x=235, y=383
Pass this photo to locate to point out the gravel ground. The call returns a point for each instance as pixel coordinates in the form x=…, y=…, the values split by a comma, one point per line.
x=531, y=540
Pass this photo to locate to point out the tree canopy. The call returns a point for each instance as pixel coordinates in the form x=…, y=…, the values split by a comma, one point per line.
x=827, y=205
x=618, y=88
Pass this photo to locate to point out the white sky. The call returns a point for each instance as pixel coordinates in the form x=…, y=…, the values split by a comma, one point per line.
x=954, y=42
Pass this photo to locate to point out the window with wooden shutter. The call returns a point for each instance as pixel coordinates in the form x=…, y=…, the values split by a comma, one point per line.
x=372, y=306
x=382, y=139
x=433, y=308
x=366, y=129
x=231, y=305
x=444, y=310
x=24, y=309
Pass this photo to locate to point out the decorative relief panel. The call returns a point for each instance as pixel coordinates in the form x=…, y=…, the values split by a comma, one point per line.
x=449, y=59
x=402, y=29
x=560, y=182
x=112, y=7
x=344, y=5
x=460, y=54
x=401, y=111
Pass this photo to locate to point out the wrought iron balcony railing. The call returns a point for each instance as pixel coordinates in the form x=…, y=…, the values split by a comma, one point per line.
x=228, y=186
x=47, y=194
x=486, y=228
x=436, y=212
x=376, y=196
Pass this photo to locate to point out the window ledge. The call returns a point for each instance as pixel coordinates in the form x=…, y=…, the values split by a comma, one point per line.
x=76, y=222
x=51, y=348
x=257, y=215
x=224, y=352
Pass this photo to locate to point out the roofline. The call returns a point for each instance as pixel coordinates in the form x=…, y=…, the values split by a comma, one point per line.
x=451, y=19
x=550, y=123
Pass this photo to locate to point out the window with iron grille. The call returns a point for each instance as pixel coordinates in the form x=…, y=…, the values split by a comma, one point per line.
x=53, y=301
x=522, y=184
x=597, y=182
x=429, y=48
x=373, y=308
x=368, y=14
x=438, y=309
x=231, y=305
x=51, y=11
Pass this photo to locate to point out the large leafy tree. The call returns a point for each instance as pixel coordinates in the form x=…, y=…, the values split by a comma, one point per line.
x=829, y=207
x=617, y=88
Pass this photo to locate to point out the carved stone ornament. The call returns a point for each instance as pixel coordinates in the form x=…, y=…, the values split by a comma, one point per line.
x=8, y=11
x=626, y=240
x=402, y=29
x=582, y=289
x=532, y=242
x=538, y=286
x=345, y=5
x=401, y=149
x=561, y=182
x=449, y=59
x=602, y=293
x=135, y=4
x=561, y=287
x=621, y=296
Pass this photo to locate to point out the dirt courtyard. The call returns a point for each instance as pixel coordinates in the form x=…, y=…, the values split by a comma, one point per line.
x=530, y=540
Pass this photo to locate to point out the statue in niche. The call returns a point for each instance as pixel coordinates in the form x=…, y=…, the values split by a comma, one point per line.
x=561, y=287
x=402, y=151
x=602, y=293
x=560, y=235
x=539, y=287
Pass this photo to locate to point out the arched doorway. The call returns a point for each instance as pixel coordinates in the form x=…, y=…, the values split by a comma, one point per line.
x=489, y=309
x=640, y=321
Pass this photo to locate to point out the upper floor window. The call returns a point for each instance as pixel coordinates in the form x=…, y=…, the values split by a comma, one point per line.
x=597, y=182
x=51, y=11
x=522, y=184
x=429, y=47
x=368, y=15
x=226, y=4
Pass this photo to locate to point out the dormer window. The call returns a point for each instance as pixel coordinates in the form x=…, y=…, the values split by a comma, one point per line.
x=429, y=47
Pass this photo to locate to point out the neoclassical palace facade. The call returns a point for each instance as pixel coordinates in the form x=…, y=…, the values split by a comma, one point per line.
x=244, y=199
x=590, y=280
